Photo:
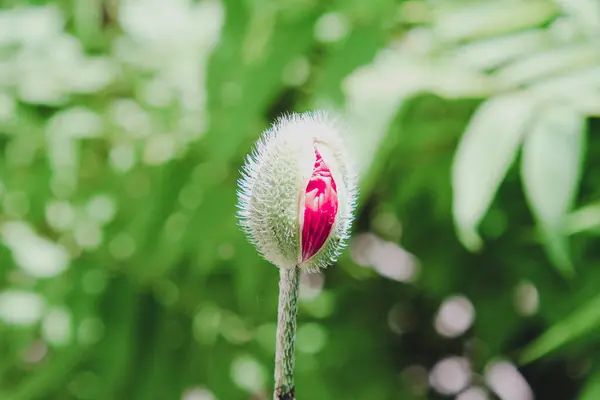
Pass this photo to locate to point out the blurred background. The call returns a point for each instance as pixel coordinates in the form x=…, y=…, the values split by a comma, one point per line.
x=472, y=274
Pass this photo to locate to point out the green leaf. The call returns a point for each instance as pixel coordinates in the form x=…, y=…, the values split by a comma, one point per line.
x=489, y=18
x=584, y=219
x=493, y=52
x=591, y=390
x=87, y=20
x=551, y=170
x=576, y=325
x=579, y=88
x=586, y=14
x=486, y=151
x=547, y=63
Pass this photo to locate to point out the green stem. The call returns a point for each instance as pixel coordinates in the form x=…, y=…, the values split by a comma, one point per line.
x=289, y=281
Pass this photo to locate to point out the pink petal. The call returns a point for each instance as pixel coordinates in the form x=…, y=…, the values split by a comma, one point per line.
x=320, y=209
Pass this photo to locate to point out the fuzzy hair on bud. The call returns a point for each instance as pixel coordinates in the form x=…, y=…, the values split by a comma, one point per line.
x=297, y=192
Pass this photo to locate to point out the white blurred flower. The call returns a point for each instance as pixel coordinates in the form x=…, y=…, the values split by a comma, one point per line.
x=37, y=256
x=19, y=307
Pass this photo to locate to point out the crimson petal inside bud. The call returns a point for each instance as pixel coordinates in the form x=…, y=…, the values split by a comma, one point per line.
x=320, y=209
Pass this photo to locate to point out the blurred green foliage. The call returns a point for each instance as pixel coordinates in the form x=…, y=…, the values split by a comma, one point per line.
x=473, y=270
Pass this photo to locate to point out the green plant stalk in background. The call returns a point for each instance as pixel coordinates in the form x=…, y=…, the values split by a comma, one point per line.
x=286, y=333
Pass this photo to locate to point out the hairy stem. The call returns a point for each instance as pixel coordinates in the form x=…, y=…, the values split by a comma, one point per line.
x=286, y=333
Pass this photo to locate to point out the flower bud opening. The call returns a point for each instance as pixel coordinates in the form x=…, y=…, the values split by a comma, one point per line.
x=320, y=208
x=297, y=192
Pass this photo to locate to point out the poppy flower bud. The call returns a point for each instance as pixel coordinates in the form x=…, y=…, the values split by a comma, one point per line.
x=297, y=192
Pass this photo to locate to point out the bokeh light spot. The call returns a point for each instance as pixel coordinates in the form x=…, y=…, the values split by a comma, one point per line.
x=527, y=299
x=57, y=326
x=455, y=316
x=507, y=382
x=311, y=338
x=19, y=307
x=248, y=374
x=331, y=27
x=450, y=375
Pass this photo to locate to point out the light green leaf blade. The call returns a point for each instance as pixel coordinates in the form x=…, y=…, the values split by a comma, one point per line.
x=489, y=18
x=569, y=329
x=591, y=390
x=545, y=64
x=486, y=151
x=493, y=52
x=586, y=13
x=584, y=219
x=551, y=169
x=580, y=88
